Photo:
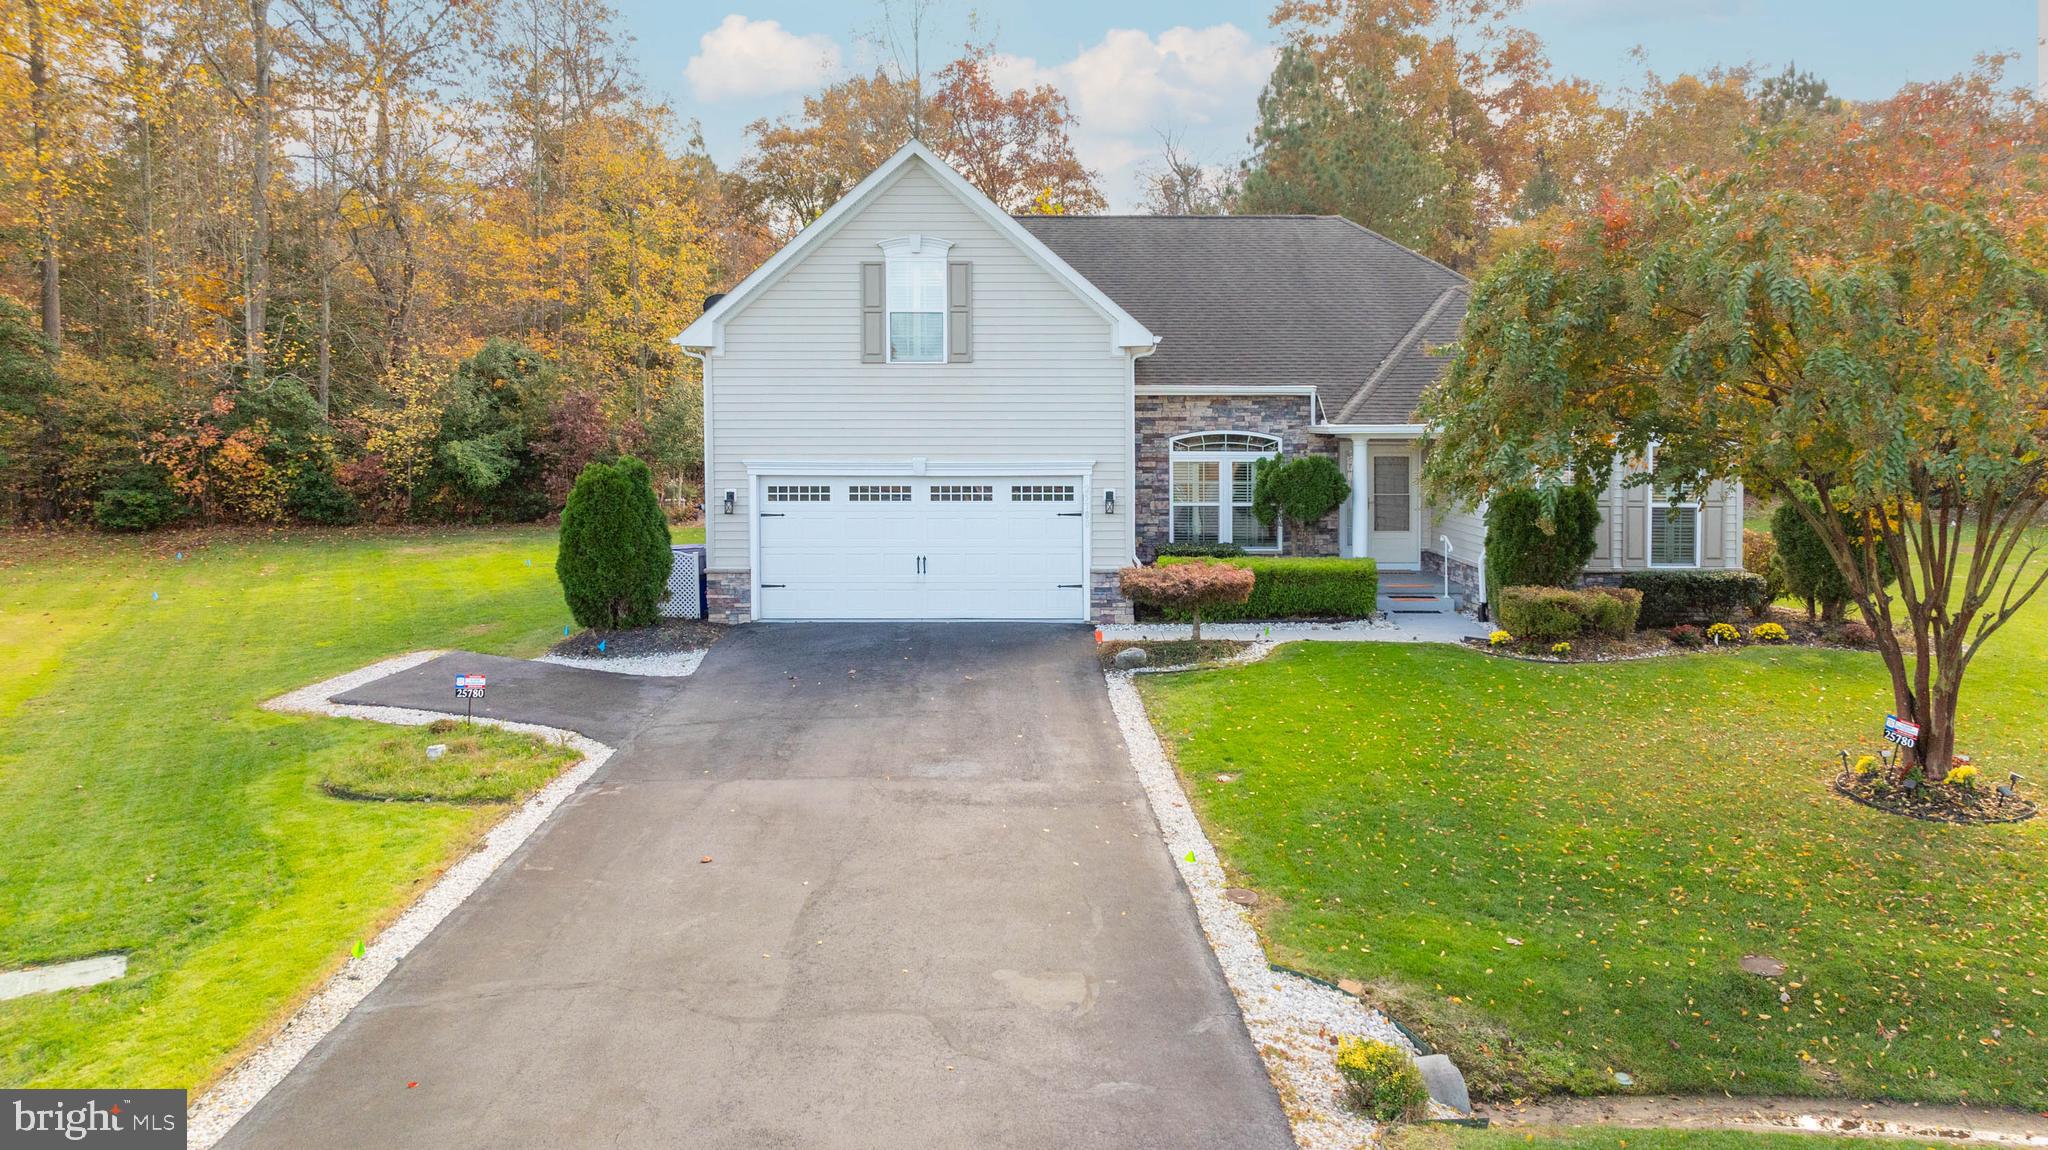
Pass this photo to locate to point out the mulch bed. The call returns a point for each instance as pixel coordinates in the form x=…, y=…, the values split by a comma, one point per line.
x=663, y=638
x=1799, y=632
x=1935, y=802
x=1173, y=652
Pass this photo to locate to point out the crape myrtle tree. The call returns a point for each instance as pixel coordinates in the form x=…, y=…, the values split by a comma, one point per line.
x=1856, y=310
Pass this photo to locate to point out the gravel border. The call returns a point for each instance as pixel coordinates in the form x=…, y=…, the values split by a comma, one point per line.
x=237, y=1092
x=1293, y=1021
x=672, y=665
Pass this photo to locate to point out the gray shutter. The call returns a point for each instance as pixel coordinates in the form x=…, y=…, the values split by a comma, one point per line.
x=873, y=319
x=960, y=312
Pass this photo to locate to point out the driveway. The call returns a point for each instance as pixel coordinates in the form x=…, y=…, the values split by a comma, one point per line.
x=936, y=913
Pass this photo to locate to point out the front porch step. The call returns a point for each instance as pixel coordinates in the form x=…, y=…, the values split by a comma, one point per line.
x=1409, y=593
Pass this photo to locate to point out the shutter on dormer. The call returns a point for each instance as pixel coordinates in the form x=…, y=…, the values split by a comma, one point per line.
x=874, y=321
x=960, y=312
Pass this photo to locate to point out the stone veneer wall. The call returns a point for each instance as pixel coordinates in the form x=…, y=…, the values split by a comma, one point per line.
x=1106, y=602
x=729, y=595
x=1466, y=583
x=1161, y=417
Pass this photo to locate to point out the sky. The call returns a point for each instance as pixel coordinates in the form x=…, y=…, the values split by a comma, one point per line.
x=1134, y=69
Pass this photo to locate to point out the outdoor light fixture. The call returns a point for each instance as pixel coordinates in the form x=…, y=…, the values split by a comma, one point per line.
x=731, y=497
x=1109, y=503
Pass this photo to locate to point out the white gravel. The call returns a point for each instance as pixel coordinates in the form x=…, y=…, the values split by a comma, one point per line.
x=213, y=1113
x=1292, y=1020
x=1429, y=628
x=670, y=665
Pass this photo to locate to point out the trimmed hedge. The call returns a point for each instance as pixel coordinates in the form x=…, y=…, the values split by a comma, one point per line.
x=1198, y=550
x=614, y=557
x=1693, y=596
x=1287, y=588
x=1548, y=614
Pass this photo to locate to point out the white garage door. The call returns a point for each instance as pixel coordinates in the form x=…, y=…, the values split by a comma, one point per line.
x=922, y=548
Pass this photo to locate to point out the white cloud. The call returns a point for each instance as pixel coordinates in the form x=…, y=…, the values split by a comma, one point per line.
x=742, y=58
x=1129, y=86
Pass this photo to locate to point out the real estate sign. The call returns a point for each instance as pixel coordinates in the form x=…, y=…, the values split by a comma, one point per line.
x=469, y=686
x=1897, y=730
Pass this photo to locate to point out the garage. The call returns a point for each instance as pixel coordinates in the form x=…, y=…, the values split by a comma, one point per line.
x=922, y=547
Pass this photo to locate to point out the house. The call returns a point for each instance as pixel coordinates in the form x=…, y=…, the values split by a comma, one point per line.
x=922, y=407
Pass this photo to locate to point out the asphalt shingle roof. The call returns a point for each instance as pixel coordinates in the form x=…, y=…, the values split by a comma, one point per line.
x=1272, y=300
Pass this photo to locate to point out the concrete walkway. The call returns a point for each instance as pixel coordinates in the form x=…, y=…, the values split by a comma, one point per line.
x=936, y=913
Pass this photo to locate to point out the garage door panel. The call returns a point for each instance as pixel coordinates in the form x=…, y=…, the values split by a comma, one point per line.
x=840, y=548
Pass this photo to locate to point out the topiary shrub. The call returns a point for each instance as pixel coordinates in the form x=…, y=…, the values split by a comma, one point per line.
x=1197, y=551
x=1301, y=489
x=1549, y=614
x=1520, y=553
x=1188, y=588
x=1380, y=1080
x=1289, y=588
x=1811, y=574
x=1693, y=595
x=614, y=555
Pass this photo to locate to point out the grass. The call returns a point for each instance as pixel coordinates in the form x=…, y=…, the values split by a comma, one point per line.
x=1621, y=1138
x=147, y=806
x=1554, y=870
x=474, y=765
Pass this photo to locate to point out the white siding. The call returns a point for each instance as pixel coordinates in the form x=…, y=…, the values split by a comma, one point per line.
x=1467, y=530
x=1044, y=385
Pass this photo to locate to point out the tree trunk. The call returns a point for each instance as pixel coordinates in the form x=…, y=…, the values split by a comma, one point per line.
x=1197, y=636
x=256, y=317
x=42, y=103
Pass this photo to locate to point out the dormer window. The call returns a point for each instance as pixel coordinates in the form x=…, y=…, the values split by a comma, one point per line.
x=915, y=275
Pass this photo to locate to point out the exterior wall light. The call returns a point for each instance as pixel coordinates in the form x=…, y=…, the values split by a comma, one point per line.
x=1109, y=503
x=731, y=497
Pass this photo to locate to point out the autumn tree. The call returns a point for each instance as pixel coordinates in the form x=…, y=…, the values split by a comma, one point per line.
x=1856, y=310
x=1176, y=183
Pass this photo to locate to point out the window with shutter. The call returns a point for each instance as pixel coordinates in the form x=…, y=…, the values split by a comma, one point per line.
x=915, y=281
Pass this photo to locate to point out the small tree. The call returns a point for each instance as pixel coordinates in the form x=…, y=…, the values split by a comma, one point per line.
x=1300, y=490
x=1187, y=587
x=1539, y=538
x=1811, y=574
x=1860, y=308
x=614, y=556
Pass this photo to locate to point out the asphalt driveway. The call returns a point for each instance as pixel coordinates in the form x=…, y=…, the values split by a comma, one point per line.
x=936, y=914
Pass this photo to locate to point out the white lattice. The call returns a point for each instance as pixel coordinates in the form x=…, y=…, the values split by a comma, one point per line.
x=685, y=584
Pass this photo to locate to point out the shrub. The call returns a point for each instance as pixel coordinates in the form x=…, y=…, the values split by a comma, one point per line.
x=1520, y=553
x=1855, y=633
x=1302, y=489
x=1811, y=574
x=1499, y=639
x=1191, y=589
x=142, y=501
x=1724, y=633
x=1686, y=635
x=1197, y=551
x=1760, y=557
x=1302, y=589
x=1693, y=596
x=1560, y=649
x=317, y=498
x=614, y=556
x=1767, y=633
x=1380, y=1080
x=1963, y=776
x=1549, y=614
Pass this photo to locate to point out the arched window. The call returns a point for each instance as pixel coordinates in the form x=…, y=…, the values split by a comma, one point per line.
x=1212, y=489
x=915, y=277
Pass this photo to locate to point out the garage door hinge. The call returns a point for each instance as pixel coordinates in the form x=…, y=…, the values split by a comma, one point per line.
x=1071, y=586
x=772, y=514
x=766, y=586
x=1069, y=515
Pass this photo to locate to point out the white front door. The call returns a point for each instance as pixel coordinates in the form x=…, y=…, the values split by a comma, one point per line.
x=1393, y=510
x=841, y=547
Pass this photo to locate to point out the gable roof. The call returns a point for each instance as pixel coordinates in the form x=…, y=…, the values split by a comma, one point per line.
x=708, y=331
x=1274, y=301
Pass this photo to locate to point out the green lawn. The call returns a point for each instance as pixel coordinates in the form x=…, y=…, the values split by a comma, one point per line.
x=1623, y=1138
x=1553, y=870
x=147, y=805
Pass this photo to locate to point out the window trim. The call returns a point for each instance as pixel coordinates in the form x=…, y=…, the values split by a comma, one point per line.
x=1224, y=459
x=1653, y=505
x=918, y=249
